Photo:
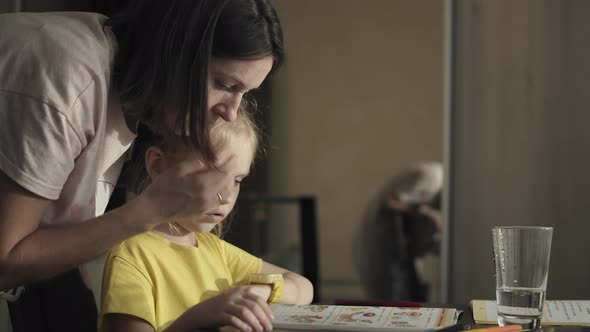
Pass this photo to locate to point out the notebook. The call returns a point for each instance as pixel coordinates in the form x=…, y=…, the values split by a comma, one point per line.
x=573, y=312
x=361, y=318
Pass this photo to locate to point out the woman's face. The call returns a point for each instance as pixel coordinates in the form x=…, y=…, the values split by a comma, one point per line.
x=229, y=80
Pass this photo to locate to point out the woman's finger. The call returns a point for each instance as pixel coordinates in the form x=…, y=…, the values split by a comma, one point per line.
x=228, y=163
x=191, y=166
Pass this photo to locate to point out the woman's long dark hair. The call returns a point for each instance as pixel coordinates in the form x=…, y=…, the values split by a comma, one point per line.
x=164, y=51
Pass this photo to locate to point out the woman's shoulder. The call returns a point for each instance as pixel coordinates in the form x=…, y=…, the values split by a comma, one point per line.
x=56, y=55
x=64, y=34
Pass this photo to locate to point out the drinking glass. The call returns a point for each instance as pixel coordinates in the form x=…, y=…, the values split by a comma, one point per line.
x=521, y=256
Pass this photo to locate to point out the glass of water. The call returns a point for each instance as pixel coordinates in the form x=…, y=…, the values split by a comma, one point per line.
x=521, y=256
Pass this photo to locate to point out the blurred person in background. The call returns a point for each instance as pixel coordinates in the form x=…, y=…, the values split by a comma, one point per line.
x=399, y=227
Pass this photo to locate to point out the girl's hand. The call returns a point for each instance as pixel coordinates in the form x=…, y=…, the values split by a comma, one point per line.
x=240, y=307
x=188, y=188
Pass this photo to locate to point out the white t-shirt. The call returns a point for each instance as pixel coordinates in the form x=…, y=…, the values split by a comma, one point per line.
x=62, y=132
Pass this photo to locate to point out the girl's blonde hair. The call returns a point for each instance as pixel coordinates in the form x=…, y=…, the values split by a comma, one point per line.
x=222, y=133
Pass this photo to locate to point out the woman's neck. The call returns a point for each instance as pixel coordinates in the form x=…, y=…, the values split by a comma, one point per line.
x=176, y=234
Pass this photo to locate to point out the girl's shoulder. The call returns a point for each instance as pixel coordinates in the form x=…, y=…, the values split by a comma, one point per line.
x=209, y=240
x=137, y=246
x=207, y=236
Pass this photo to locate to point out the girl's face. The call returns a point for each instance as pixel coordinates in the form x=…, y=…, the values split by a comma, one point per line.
x=242, y=154
x=229, y=80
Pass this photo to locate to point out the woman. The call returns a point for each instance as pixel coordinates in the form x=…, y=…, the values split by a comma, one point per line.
x=73, y=88
x=398, y=228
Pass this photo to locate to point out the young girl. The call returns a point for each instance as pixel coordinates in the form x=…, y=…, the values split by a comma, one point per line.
x=179, y=276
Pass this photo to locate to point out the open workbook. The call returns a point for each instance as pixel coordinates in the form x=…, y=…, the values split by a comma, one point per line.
x=361, y=318
x=574, y=312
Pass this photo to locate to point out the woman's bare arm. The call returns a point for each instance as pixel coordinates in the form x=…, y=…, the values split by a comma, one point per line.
x=29, y=252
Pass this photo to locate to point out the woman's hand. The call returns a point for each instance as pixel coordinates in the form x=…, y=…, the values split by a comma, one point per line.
x=188, y=188
x=240, y=307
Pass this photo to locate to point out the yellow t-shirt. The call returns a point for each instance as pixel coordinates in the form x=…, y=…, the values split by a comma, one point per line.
x=152, y=278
